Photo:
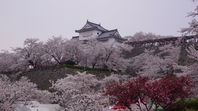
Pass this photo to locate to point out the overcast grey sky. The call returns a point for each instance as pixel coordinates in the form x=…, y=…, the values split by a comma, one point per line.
x=21, y=19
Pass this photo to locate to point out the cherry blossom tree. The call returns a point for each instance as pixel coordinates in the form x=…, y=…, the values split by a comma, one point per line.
x=141, y=36
x=13, y=92
x=113, y=58
x=103, y=55
x=10, y=62
x=109, y=56
x=83, y=92
x=148, y=64
x=193, y=52
x=77, y=92
x=170, y=54
x=193, y=25
x=159, y=62
x=74, y=51
x=32, y=53
x=193, y=75
x=93, y=53
x=55, y=47
x=114, y=78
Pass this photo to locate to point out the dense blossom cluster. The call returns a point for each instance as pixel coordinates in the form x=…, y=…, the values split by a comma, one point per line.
x=141, y=36
x=93, y=54
x=22, y=90
x=193, y=25
x=160, y=80
x=158, y=64
x=82, y=92
x=36, y=54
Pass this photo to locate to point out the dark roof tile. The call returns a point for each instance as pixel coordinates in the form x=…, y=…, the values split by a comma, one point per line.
x=91, y=26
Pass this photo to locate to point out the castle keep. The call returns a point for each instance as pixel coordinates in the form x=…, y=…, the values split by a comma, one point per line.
x=95, y=31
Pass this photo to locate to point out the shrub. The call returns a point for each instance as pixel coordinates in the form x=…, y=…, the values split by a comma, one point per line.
x=141, y=90
x=69, y=62
x=192, y=104
x=185, y=105
x=190, y=110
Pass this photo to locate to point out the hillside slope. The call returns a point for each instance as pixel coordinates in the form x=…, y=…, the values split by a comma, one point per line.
x=42, y=77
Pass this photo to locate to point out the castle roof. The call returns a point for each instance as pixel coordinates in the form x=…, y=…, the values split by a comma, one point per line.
x=91, y=26
x=104, y=35
x=110, y=33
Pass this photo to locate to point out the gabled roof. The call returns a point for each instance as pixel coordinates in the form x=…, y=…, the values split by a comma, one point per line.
x=111, y=34
x=91, y=26
x=114, y=33
x=75, y=38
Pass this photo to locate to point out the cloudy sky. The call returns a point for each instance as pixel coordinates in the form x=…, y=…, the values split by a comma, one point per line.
x=21, y=19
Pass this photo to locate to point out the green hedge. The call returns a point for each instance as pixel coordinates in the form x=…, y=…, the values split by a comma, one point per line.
x=192, y=104
x=185, y=105
x=191, y=110
x=159, y=110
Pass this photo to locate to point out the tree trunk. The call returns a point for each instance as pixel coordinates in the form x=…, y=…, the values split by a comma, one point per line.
x=139, y=106
x=93, y=65
x=156, y=106
x=129, y=108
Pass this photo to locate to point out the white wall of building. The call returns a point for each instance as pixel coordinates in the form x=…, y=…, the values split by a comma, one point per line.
x=89, y=34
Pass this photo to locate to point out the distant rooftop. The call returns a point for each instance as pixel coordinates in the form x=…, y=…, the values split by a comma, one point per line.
x=91, y=26
x=103, y=36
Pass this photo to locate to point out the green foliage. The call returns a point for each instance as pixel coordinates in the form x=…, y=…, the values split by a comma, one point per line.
x=159, y=110
x=42, y=77
x=191, y=110
x=185, y=105
x=192, y=104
